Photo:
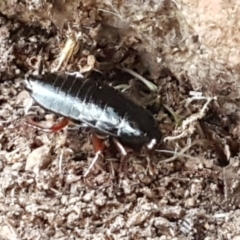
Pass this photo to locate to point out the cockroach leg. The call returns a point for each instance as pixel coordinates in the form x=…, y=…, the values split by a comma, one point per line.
x=120, y=147
x=98, y=146
x=96, y=157
x=59, y=125
x=123, y=158
x=54, y=128
x=98, y=143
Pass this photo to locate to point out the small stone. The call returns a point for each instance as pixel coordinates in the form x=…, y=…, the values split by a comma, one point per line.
x=87, y=197
x=38, y=159
x=190, y=202
x=100, y=200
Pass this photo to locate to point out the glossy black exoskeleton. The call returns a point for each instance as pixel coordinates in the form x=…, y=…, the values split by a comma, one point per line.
x=99, y=106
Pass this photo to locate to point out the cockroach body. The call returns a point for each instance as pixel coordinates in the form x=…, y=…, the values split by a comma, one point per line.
x=96, y=104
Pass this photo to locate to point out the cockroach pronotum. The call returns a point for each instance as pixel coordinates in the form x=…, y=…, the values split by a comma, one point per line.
x=102, y=108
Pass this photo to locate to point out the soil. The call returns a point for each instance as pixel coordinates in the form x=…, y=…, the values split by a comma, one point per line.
x=186, y=188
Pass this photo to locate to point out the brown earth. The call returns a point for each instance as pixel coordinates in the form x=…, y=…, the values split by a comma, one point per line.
x=188, y=188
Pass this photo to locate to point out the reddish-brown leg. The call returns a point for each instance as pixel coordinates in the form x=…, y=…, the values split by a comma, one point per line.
x=54, y=128
x=98, y=143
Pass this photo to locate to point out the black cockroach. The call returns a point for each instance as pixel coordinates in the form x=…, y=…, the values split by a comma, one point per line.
x=97, y=105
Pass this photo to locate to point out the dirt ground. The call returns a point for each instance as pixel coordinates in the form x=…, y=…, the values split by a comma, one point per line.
x=188, y=187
